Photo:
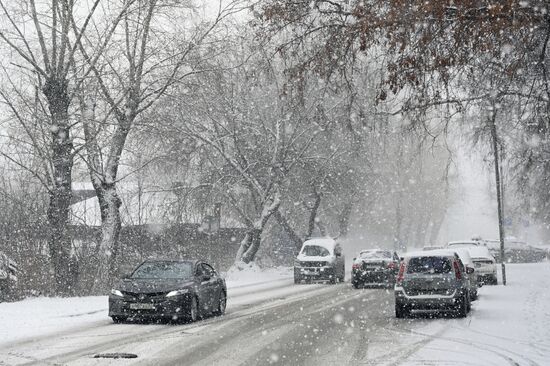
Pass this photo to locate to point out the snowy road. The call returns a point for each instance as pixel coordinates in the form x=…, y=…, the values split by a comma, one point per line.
x=280, y=323
x=290, y=324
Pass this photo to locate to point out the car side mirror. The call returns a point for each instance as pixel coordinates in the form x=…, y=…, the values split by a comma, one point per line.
x=469, y=270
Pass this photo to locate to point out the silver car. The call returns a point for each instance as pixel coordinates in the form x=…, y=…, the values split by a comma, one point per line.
x=434, y=280
x=464, y=256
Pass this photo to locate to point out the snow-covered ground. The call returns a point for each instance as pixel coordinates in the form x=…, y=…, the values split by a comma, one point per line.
x=43, y=315
x=508, y=325
x=40, y=316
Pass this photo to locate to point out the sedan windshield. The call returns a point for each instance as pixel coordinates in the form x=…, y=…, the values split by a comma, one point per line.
x=429, y=265
x=170, y=270
x=315, y=251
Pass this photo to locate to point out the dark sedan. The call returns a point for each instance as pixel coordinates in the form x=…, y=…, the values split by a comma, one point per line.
x=169, y=289
x=375, y=267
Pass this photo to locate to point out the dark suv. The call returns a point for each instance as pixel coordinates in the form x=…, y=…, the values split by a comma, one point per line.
x=434, y=280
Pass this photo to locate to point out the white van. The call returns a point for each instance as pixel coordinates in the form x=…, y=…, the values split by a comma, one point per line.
x=320, y=259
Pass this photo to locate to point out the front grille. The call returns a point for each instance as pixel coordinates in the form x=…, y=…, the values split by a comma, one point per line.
x=144, y=297
x=431, y=292
x=313, y=264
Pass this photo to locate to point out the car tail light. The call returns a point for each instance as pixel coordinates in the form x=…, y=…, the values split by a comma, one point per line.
x=457, y=271
x=401, y=273
x=355, y=266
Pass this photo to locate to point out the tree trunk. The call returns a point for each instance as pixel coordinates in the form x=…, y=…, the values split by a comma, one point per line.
x=295, y=238
x=252, y=245
x=313, y=214
x=109, y=203
x=252, y=240
x=60, y=194
x=344, y=219
x=494, y=140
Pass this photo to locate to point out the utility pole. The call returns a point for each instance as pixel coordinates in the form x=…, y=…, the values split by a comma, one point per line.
x=494, y=138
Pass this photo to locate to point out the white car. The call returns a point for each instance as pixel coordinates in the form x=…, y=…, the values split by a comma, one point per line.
x=320, y=259
x=432, y=247
x=462, y=244
x=485, y=265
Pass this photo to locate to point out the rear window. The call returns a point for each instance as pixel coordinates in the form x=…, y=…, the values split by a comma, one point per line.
x=429, y=265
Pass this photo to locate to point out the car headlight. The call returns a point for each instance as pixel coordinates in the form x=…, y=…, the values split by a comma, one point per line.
x=177, y=292
x=116, y=293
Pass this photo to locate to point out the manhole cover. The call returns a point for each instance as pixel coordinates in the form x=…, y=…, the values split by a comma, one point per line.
x=115, y=355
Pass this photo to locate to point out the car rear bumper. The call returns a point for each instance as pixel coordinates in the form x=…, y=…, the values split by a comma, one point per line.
x=174, y=307
x=373, y=277
x=429, y=302
x=314, y=273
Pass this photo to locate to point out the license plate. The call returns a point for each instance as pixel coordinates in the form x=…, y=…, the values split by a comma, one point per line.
x=311, y=273
x=142, y=306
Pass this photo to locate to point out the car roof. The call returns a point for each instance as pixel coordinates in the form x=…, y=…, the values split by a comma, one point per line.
x=432, y=247
x=375, y=250
x=464, y=255
x=480, y=252
x=194, y=261
x=472, y=242
x=431, y=253
x=327, y=243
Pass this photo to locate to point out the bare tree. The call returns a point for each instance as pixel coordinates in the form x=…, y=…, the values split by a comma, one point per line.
x=150, y=58
x=42, y=37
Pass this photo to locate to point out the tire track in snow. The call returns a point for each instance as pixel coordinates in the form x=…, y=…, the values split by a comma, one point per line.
x=499, y=351
x=144, y=333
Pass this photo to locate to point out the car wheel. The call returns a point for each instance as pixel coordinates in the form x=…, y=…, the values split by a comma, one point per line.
x=462, y=307
x=401, y=311
x=297, y=279
x=222, y=304
x=474, y=296
x=119, y=319
x=332, y=280
x=193, y=311
x=494, y=280
x=355, y=284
